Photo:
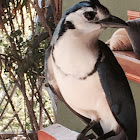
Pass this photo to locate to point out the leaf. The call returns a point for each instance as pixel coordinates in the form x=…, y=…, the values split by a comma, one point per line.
x=18, y=32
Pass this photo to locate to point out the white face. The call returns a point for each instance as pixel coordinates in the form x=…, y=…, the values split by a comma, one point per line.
x=85, y=19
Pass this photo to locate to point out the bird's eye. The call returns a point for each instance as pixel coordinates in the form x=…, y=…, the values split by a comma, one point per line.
x=90, y=15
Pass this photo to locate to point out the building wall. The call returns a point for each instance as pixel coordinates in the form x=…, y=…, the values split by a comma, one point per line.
x=118, y=8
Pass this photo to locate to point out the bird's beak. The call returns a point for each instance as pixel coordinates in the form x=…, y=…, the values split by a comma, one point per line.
x=113, y=22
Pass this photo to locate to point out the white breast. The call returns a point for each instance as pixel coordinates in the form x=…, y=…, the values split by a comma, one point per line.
x=87, y=96
x=74, y=57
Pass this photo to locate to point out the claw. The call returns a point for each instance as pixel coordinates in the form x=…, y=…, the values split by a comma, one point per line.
x=107, y=135
x=82, y=135
x=88, y=137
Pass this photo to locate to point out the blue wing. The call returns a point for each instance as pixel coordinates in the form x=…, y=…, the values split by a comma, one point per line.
x=118, y=92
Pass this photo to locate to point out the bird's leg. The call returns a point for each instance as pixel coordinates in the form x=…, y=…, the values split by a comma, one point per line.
x=107, y=135
x=89, y=137
x=82, y=135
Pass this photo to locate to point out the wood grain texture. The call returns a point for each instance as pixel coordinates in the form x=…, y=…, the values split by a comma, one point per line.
x=57, y=132
x=130, y=64
x=133, y=14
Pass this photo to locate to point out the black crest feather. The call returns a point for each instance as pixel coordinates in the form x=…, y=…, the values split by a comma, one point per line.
x=95, y=2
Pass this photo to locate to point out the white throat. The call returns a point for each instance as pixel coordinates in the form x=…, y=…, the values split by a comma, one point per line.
x=76, y=54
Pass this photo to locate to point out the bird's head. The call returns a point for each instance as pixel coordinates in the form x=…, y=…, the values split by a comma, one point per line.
x=87, y=17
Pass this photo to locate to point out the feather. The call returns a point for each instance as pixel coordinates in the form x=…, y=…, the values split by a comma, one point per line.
x=118, y=92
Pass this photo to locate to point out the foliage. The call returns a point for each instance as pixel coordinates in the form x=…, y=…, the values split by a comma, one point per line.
x=22, y=64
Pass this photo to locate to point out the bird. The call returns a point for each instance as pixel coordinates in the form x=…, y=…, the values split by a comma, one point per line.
x=83, y=72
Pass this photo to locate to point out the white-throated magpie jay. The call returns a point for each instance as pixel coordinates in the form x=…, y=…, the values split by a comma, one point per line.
x=84, y=73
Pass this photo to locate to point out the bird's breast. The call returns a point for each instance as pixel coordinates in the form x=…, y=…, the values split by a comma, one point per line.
x=75, y=59
x=85, y=96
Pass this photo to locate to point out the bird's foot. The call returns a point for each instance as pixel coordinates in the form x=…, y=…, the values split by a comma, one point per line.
x=88, y=137
x=107, y=135
x=82, y=135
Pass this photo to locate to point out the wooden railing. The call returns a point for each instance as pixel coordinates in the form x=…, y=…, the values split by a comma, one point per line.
x=130, y=64
x=127, y=59
x=133, y=14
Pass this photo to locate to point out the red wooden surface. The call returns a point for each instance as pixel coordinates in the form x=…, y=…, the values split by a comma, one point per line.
x=133, y=14
x=57, y=132
x=44, y=136
x=130, y=64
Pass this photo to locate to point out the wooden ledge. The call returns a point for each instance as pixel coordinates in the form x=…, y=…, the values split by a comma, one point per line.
x=133, y=14
x=57, y=132
x=130, y=64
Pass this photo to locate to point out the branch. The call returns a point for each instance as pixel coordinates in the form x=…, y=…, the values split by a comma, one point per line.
x=6, y=126
x=22, y=19
x=32, y=23
x=21, y=86
x=41, y=17
x=13, y=108
x=32, y=116
x=7, y=102
x=42, y=105
x=40, y=38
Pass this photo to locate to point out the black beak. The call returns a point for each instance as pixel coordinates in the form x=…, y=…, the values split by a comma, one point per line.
x=113, y=22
